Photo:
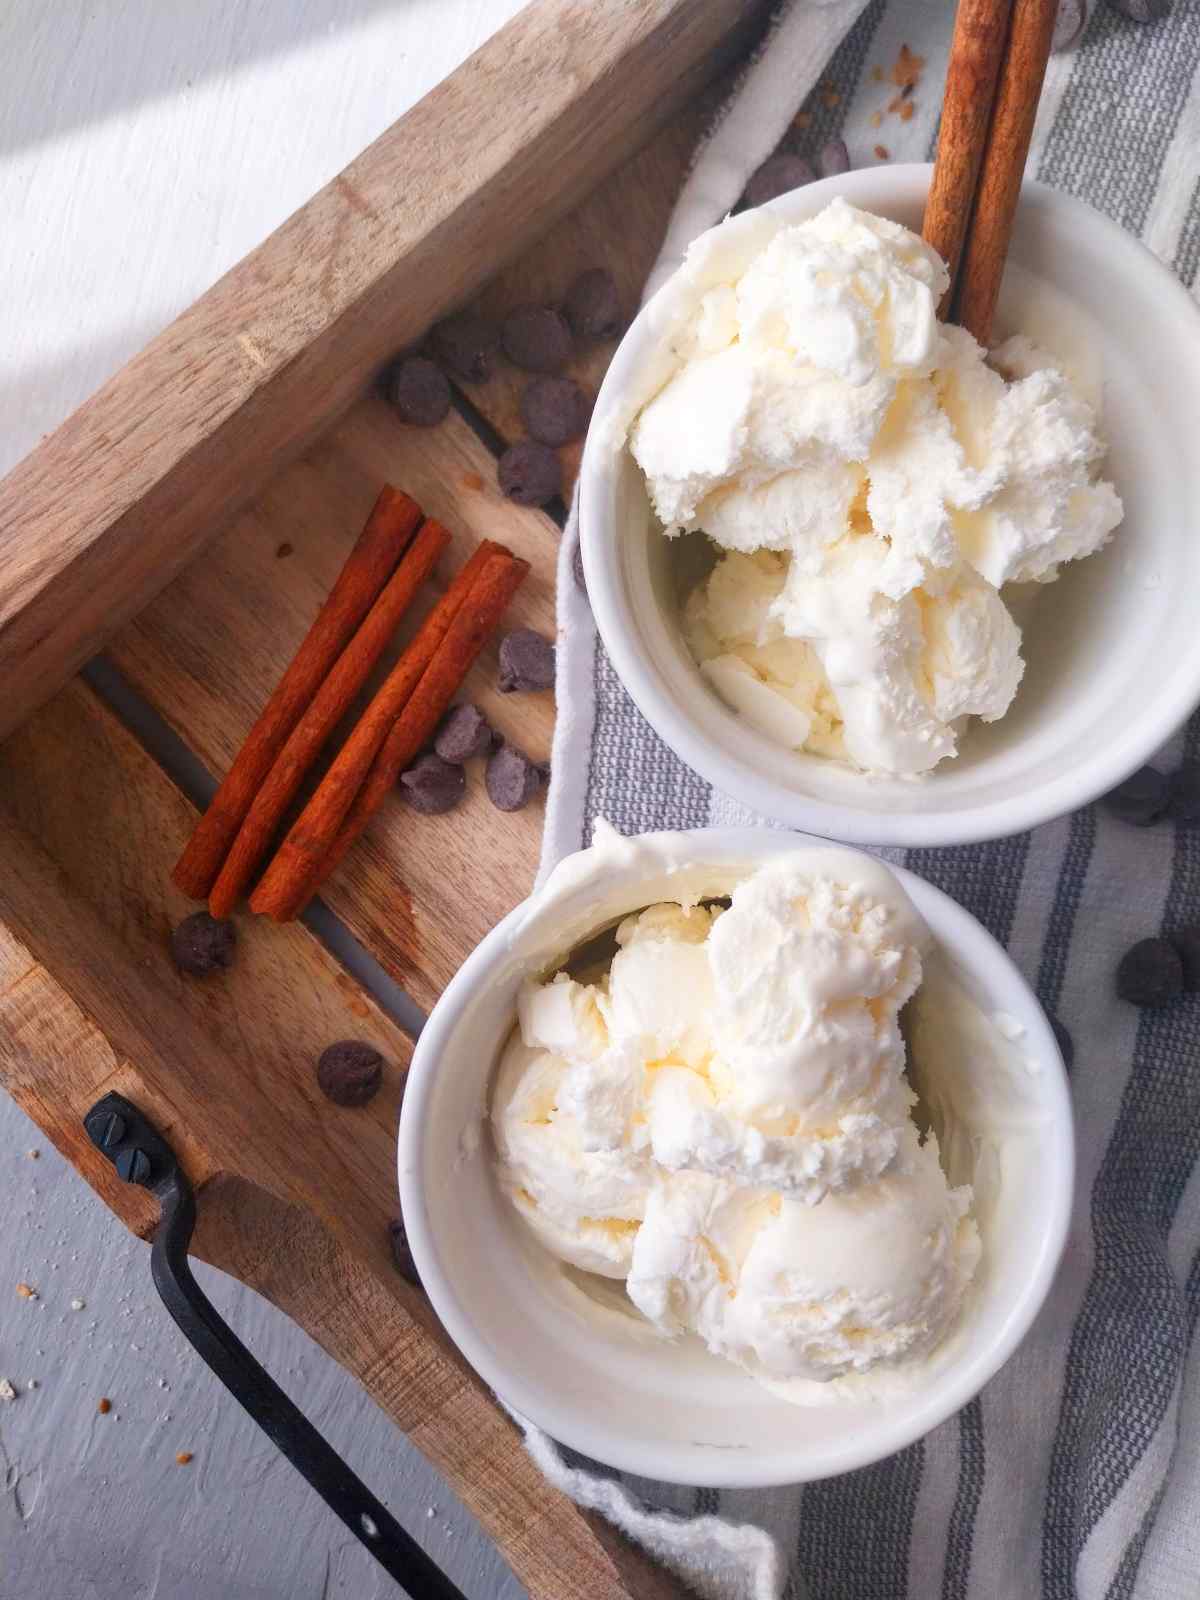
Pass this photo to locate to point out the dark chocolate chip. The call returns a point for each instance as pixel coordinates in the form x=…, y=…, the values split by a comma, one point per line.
x=1069, y=25
x=349, y=1073
x=1141, y=799
x=536, y=339
x=555, y=410
x=1187, y=943
x=513, y=779
x=203, y=945
x=778, y=175
x=1150, y=973
x=420, y=391
x=401, y=1253
x=433, y=785
x=465, y=732
x=1141, y=10
x=1066, y=1044
x=592, y=307
x=526, y=661
x=1183, y=793
x=467, y=344
x=530, y=473
x=834, y=159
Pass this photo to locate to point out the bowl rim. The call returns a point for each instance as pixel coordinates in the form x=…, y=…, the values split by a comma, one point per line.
x=978, y=952
x=1109, y=764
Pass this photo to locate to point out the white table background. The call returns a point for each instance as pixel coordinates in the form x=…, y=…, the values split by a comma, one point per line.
x=145, y=146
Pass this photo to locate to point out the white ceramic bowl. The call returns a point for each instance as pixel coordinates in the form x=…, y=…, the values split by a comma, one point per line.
x=603, y=1383
x=1112, y=648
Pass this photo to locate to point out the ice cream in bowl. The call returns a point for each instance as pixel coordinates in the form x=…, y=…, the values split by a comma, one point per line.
x=870, y=578
x=736, y=1157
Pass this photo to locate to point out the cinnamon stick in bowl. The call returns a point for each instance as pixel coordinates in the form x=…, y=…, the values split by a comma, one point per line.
x=328, y=706
x=399, y=722
x=393, y=521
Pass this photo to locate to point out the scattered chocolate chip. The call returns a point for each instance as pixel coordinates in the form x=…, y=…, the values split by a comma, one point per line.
x=1141, y=799
x=1141, y=10
x=834, y=159
x=1150, y=973
x=433, y=785
x=526, y=661
x=467, y=345
x=283, y=550
x=536, y=339
x=203, y=945
x=592, y=307
x=778, y=175
x=349, y=1073
x=1183, y=793
x=1069, y=25
x=1065, y=1042
x=1187, y=944
x=530, y=473
x=183, y=1458
x=464, y=733
x=555, y=410
x=401, y=1253
x=420, y=391
x=104, y=1406
x=512, y=778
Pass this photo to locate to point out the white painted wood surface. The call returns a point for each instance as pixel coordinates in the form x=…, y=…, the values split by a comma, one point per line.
x=145, y=146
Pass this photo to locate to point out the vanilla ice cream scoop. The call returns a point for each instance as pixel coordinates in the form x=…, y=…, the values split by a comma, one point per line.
x=894, y=476
x=721, y=1117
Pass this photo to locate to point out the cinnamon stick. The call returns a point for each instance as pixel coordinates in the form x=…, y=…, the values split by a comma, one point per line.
x=999, y=187
x=412, y=699
x=393, y=521
x=329, y=705
x=976, y=53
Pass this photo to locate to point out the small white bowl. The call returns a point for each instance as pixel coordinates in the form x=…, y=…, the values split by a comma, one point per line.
x=1112, y=648
x=601, y=1381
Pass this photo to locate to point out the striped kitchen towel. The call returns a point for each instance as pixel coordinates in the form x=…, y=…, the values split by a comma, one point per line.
x=1077, y=1472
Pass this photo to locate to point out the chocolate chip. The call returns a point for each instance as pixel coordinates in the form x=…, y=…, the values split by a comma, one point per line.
x=420, y=391
x=467, y=345
x=401, y=1253
x=536, y=339
x=1141, y=799
x=513, y=779
x=465, y=732
x=349, y=1073
x=1141, y=10
x=1187, y=944
x=1066, y=1044
x=555, y=410
x=1069, y=25
x=834, y=159
x=1150, y=973
x=592, y=307
x=433, y=785
x=530, y=473
x=777, y=175
x=526, y=661
x=1183, y=793
x=203, y=945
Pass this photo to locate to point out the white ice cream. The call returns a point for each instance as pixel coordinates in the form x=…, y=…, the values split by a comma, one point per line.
x=721, y=1118
x=874, y=479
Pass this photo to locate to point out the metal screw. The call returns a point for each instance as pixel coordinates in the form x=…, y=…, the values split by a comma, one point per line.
x=133, y=1166
x=106, y=1130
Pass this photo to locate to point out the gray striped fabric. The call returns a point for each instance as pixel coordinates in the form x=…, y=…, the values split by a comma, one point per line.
x=1077, y=1472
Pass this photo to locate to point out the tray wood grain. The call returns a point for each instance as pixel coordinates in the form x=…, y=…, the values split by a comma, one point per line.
x=89, y=823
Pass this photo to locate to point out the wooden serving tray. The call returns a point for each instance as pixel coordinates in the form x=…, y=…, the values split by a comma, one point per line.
x=187, y=521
